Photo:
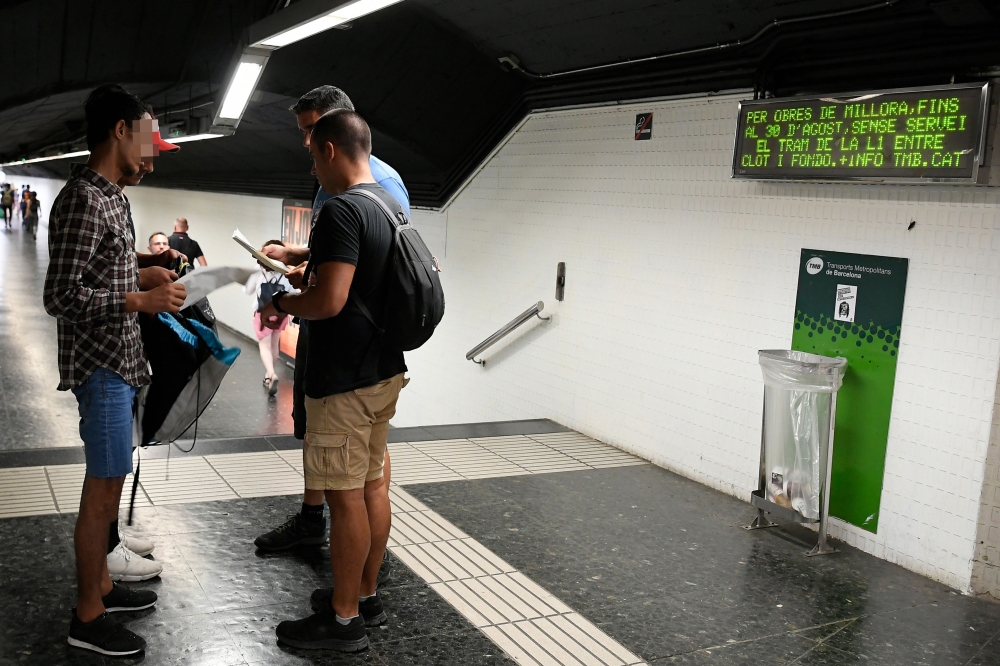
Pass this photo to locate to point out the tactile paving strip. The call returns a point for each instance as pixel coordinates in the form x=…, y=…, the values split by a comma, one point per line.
x=529, y=624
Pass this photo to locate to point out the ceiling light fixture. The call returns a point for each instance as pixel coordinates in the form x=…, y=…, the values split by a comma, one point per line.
x=241, y=86
x=294, y=23
x=81, y=153
x=318, y=22
x=47, y=158
x=193, y=137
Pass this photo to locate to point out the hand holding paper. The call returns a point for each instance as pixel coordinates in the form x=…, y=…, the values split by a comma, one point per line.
x=263, y=259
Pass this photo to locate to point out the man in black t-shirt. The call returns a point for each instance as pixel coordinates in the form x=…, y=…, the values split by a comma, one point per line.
x=352, y=381
x=180, y=241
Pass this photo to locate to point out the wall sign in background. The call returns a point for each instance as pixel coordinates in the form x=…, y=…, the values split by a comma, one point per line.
x=866, y=333
x=934, y=133
x=643, y=126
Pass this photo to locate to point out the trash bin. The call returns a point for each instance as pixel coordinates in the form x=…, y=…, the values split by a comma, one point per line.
x=800, y=405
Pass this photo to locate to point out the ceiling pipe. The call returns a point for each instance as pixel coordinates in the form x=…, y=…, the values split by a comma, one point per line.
x=510, y=62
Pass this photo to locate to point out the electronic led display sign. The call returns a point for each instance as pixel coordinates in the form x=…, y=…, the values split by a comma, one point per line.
x=917, y=134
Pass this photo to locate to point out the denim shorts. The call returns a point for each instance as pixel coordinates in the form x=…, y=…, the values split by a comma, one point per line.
x=105, y=401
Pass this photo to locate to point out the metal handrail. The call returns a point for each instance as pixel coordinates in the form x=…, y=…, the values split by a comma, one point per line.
x=503, y=332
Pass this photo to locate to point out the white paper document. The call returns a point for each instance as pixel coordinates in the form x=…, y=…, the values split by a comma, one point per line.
x=203, y=281
x=271, y=264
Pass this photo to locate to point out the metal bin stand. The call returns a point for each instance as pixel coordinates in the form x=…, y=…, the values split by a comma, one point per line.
x=796, y=447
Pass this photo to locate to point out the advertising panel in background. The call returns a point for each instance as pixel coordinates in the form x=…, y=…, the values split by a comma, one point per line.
x=296, y=221
x=851, y=305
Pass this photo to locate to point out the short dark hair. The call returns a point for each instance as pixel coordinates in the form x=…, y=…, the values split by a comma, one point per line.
x=155, y=233
x=345, y=129
x=105, y=106
x=323, y=99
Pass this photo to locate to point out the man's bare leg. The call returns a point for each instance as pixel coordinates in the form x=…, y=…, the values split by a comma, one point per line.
x=349, y=549
x=379, y=523
x=98, y=507
x=316, y=497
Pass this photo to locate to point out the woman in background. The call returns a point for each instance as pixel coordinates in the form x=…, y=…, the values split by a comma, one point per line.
x=33, y=211
x=262, y=285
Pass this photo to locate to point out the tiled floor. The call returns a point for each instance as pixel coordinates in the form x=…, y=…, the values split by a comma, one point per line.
x=28, y=491
x=33, y=415
x=527, y=623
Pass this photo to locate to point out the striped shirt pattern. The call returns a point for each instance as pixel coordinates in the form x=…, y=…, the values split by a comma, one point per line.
x=92, y=265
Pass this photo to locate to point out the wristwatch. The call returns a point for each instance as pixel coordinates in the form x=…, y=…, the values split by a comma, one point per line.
x=276, y=304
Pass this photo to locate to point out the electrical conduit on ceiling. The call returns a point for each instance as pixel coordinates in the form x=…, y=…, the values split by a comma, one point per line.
x=512, y=62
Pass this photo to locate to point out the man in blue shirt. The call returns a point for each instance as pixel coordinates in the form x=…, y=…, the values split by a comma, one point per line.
x=308, y=527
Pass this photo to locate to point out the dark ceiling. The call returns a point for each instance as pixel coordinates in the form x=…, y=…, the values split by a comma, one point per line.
x=425, y=73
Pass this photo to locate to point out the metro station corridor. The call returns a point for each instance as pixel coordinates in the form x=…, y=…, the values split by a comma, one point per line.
x=534, y=332
x=518, y=542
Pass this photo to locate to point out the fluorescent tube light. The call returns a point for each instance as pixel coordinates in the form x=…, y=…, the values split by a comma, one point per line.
x=48, y=158
x=240, y=89
x=81, y=153
x=192, y=137
x=318, y=24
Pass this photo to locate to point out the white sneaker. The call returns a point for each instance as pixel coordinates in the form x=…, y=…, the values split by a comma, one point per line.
x=141, y=547
x=124, y=565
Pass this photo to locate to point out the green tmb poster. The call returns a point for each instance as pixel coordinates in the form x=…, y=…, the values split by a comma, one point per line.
x=851, y=305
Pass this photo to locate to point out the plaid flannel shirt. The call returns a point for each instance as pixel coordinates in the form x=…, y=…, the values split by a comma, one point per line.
x=92, y=265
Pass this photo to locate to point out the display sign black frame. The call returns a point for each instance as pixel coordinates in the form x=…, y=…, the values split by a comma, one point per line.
x=852, y=173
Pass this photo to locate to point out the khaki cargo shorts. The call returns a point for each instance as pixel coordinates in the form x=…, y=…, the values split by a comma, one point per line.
x=346, y=435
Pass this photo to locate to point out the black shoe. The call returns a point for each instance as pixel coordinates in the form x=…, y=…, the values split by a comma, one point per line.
x=322, y=631
x=104, y=635
x=295, y=532
x=121, y=598
x=371, y=609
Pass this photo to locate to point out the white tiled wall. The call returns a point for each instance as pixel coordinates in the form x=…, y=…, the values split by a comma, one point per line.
x=986, y=564
x=676, y=276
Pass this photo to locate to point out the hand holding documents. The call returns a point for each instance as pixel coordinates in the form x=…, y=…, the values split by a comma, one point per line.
x=269, y=263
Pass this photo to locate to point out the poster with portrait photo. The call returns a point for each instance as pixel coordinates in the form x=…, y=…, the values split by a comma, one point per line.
x=847, y=301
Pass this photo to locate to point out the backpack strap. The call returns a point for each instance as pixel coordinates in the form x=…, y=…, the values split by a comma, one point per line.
x=390, y=260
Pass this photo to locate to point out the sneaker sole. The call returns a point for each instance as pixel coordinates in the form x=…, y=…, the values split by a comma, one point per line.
x=311, y=541
x=377, y=621
x=127, y=609
x=134, y=578
x=93, y=648
x=331, y=644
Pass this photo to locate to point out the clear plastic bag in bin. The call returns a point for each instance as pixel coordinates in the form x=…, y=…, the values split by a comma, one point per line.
x=798, y=397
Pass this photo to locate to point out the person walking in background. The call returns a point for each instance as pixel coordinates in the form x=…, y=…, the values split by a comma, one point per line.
x=180, y=241
x=25, y=196
x=33, y=210
x=263, y=285
x=7, y=203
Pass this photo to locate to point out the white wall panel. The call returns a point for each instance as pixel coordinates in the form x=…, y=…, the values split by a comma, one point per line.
x=677, y=275
x=212, y=218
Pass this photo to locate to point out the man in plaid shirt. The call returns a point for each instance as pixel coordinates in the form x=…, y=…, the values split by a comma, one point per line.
x=94, y=289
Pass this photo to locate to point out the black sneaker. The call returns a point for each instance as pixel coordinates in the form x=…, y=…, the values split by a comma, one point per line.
x=295, y=532
x=322, y=631
x=105, y=636
x=123, y=599
x=371, y=609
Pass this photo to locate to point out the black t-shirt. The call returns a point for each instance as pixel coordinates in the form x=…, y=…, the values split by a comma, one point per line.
x=186, y=245
x=345, y=352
